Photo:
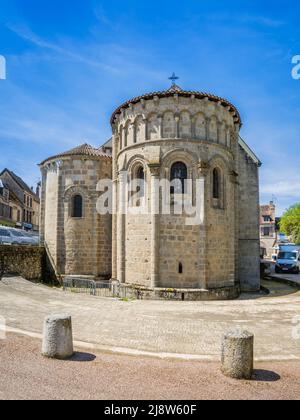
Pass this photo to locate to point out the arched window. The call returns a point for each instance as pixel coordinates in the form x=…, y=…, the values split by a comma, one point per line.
x=140, y=173
x=216, y=184
x=179, y=172
x=140, y=176
x=137, y=187
x=77, y=206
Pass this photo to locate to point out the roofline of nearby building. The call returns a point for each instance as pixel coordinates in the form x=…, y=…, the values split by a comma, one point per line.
x=179, y=92
x=249, y=152
x=106, y=143
x=15, y=178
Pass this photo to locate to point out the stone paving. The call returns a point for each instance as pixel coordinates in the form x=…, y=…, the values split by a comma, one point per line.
x=166, y=329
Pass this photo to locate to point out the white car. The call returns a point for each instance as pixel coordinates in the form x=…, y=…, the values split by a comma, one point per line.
x=34, y=239
x=20, y=237
x=288, y=262
x=5, y=237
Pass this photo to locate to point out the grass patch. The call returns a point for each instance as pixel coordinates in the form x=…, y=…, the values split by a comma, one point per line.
x=127, y=300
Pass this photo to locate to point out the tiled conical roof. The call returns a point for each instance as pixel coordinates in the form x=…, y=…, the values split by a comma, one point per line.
x=176, y=90
x=82, y=150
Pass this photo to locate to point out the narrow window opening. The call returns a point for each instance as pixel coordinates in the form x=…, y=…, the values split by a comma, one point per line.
x=77, y=206
x=216, y=184
x=179, y=172
x=180, y=268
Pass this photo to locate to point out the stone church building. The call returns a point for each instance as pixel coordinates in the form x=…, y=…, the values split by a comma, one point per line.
x=170, y=135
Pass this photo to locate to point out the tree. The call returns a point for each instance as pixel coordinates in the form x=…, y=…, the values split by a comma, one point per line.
x=290, y=223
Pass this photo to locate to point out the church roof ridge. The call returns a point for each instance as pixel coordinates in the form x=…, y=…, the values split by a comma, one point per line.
x=84, y=149
x=176, y=90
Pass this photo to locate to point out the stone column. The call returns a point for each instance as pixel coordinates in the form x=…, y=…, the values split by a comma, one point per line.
x=160, y=126
x=207, y=124
x=203, y=169
x=193, y=124
x=220, y=125
x=155, y=224
x=121, y=227
x=115, y=206
x=146, y=129
x=177, y=128
x=42, y=207
x=235, y=148
x=60, y=249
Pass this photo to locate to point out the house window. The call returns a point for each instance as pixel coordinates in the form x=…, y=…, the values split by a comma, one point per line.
x=267, y=219
x=178, y=172
x=266, y=231
x=216, y=184
x=77, y=206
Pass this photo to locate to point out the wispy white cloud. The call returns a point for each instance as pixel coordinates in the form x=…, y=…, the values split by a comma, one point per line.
x=25, y=33
x=259, y=20
x=285, y=188
x=101, y=16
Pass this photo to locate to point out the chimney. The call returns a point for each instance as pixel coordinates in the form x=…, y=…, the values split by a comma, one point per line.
x=38, y=189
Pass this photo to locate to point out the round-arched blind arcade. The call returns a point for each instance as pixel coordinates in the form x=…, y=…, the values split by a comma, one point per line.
x=179, y=172
x=77, y=206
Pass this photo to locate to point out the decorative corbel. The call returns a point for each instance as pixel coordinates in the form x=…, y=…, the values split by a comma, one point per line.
x=154, y=169
x=234, y=177
x=203, y=167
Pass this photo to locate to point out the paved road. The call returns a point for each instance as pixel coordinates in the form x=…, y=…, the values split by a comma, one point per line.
x=178, y=329
x=24, y=374
x=291, y=277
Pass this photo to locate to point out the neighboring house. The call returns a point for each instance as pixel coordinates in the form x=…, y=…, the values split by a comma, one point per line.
x=268, y=230
x=20, y=205
x=5, y=211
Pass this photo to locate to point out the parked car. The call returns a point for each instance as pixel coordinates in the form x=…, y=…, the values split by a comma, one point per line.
x=34, y=239
x=21, y=238
x=11, y=236
x=288, y=262
x=5, y=237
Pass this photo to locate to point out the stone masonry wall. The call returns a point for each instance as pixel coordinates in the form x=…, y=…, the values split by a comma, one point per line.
x=249, y=246
x=76, y=246
x=164, y=251
x=28, y=262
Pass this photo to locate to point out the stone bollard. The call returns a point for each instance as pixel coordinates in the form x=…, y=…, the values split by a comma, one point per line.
x=238, y=354
x=58, y=337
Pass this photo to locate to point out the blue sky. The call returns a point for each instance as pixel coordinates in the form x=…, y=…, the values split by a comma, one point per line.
x=70, y=64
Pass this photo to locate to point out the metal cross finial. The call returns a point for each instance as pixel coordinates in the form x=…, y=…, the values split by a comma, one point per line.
x=173, y=78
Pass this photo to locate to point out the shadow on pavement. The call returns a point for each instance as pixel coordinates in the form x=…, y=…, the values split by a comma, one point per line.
x=265, y=376
x=82, y=357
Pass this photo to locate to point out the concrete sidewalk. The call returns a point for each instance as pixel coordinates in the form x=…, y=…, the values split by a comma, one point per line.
x=165, y=329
